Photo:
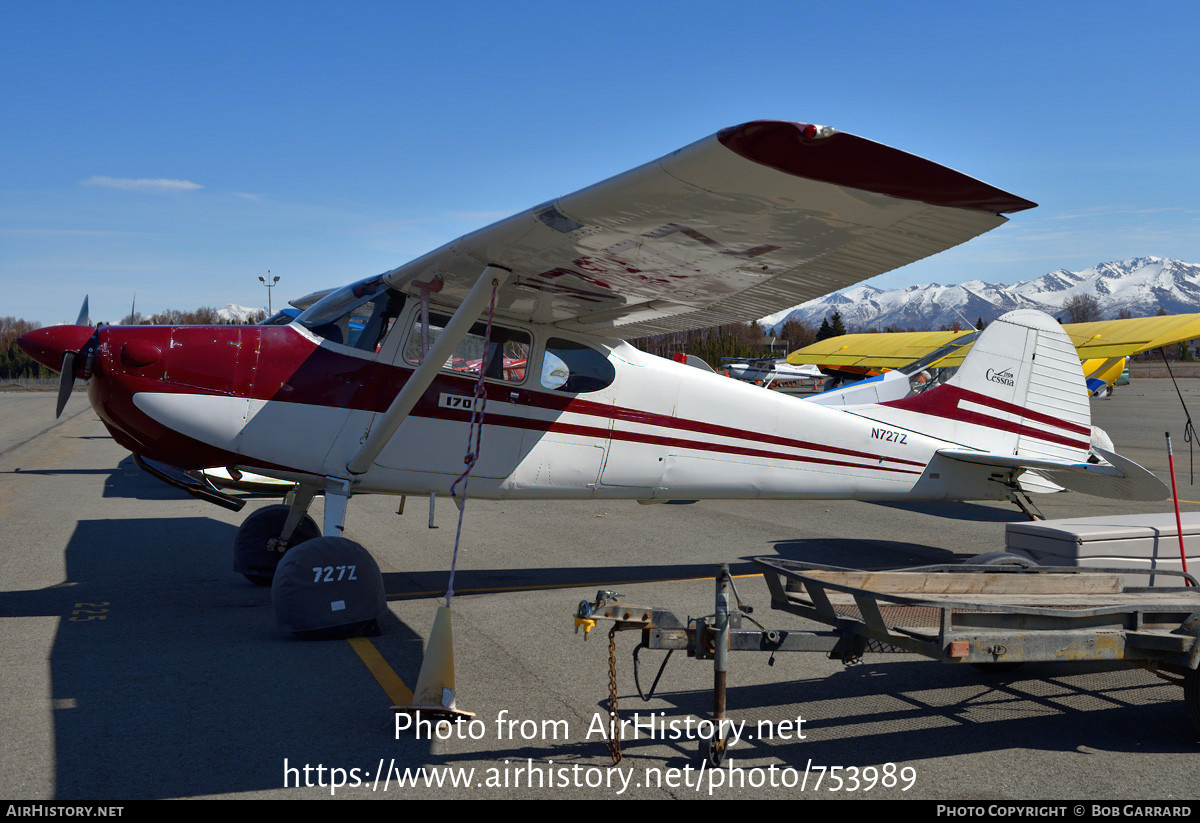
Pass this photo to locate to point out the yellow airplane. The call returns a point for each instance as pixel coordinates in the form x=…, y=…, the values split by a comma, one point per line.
x=1103, y=346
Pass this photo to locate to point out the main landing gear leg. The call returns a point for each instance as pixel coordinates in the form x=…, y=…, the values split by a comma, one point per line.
x=337, y=495
x=269, y=532
x=298, y=501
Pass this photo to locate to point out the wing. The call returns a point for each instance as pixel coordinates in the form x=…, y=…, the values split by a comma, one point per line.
x=884, y=350
x=741, y=224
x=1099, y=340
x=1120, y=338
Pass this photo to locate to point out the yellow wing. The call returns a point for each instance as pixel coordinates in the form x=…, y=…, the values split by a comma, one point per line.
x=1120, y=338
x=1100, y=340
x=883, y=350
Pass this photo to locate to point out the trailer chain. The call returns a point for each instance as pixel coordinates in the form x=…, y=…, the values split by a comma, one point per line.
x=613, y=741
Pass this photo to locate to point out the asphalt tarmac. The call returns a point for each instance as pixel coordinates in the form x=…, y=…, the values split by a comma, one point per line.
x=135, y=663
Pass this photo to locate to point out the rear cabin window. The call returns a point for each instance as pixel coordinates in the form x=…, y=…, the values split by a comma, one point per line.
x=574, y=367
x=506, y=358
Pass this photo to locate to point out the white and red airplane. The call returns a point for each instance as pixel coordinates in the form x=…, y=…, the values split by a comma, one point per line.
x=771, y=371
x=360, y=393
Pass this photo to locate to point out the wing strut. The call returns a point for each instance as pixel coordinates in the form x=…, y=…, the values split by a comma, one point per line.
x=422, y=377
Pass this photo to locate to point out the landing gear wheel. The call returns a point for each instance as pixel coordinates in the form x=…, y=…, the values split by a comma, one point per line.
x=251, y=555
x=1191, y=696
x=713, y=750
x=1001, y=559
x=329, y=588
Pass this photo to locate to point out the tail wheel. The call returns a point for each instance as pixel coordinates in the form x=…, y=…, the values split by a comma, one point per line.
x=253, y=556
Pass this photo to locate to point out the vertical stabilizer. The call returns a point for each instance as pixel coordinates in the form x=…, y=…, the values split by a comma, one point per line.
x=1019, y=391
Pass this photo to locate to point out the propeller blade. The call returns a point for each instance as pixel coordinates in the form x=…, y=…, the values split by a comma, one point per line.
x=66, y=382
x=83, y=319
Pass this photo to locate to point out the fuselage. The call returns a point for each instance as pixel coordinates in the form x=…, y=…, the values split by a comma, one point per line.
x=286, y=399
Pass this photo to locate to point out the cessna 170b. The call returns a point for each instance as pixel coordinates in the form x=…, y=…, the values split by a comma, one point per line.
x=372, y=389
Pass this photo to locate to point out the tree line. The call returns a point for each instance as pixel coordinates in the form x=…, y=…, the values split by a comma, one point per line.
x=203, y=316
x=14, y=363
x=731, y=340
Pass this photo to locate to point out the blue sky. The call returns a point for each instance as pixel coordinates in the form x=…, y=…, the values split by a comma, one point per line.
x=181, y=150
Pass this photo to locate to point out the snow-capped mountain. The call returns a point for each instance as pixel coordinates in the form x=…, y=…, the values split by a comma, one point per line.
x=1141, y=286
x=233, y=313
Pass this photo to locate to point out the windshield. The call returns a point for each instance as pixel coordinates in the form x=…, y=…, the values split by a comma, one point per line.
x=357, y=315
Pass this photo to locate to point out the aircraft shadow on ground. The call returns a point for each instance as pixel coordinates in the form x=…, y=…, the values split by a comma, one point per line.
x=866, y=554
x=960, y=510
x=139, y=714
x=420, y=584
x=862, y=554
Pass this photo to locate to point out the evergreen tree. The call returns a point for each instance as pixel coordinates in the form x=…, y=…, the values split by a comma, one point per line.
x=836, y=326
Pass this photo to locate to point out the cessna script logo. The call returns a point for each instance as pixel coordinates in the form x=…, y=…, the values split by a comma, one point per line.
x=1005, y=378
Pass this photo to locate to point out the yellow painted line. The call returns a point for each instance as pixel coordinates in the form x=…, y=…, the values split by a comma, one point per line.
x=550, y=586
x=1197, y=502
x=385, y=676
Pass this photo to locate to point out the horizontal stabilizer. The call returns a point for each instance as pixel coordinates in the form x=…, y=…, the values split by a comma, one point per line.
x=1119, y=478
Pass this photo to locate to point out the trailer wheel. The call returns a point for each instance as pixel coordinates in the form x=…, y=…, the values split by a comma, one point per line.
x=713, y=750
x=1191, y=696
x=1001, y=559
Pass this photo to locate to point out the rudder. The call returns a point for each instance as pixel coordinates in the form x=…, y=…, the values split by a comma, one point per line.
x=1019, y=391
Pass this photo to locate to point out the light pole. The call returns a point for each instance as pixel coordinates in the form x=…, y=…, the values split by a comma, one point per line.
x=270, y=284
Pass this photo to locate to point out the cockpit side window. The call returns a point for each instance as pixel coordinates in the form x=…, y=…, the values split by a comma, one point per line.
x=358, y=315
x=506, y=358
x=574, y=367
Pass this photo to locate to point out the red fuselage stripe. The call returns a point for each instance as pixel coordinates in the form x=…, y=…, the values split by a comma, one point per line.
x=945, y=401
x=659, y=440
x=682, y=424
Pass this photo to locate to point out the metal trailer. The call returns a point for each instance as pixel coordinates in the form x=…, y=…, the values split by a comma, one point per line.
x=989, y=616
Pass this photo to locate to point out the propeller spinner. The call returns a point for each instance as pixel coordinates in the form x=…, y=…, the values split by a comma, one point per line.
x=58, y=347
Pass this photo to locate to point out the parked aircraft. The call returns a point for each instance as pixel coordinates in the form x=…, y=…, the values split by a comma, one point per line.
x=1104, y=346
x=374, y=387
x=772, y=372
